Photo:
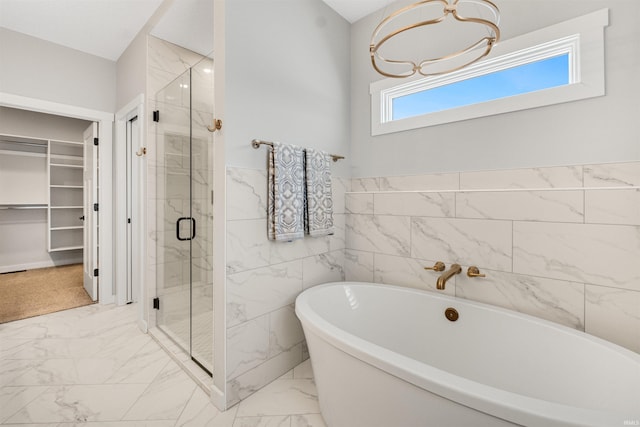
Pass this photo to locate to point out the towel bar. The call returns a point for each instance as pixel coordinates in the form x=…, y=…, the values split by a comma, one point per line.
x=256, y=143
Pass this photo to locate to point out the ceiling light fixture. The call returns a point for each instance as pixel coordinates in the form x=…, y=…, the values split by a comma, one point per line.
x=426, y=66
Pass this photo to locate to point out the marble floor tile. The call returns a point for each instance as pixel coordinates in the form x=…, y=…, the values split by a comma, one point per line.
x=226, y=418
x=92, y=367
x=11, y=369
x=160, y=423
x=307, y=420
x=79, y=404
x=33, y=425
x=303, y=370
x=59, y=348
x=67, y=371
x=12, y=399
x=11, y=346
x=272, y=421
x=199, y=411
x=142, y=367
x=165, y=397
x=303, y=420
x=282, y=397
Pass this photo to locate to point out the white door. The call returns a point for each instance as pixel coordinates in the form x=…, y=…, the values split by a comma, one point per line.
x=90, y=183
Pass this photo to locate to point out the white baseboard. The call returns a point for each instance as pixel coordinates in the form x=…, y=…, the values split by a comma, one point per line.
x=218, y=398
x=143, y=326
x=40, y=264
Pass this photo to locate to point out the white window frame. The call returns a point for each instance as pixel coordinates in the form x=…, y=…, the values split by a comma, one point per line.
x=582, y=38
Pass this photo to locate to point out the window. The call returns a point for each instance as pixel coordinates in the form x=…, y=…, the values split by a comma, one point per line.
x=561, y=63
x=538, y=75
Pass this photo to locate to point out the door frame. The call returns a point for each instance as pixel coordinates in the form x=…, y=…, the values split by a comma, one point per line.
x=90, y=193
x=106, y=293
x=135, y=108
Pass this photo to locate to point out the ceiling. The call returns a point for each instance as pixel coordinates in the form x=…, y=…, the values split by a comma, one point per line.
x=353, y=10
x=106, y=27
x=197, y=16
x=100, y=27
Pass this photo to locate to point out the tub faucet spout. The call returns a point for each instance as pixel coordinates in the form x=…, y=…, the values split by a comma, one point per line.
x=452, y=271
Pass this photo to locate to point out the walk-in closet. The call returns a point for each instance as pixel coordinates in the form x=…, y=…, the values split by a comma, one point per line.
x=43, y=195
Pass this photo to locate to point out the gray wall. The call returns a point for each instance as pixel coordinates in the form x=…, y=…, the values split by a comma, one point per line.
x=603, y=129
x=287, y=72
x=40, y=69
x=287, y=80
x=131, y=71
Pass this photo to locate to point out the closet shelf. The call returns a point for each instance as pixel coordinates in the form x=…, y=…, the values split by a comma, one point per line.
x=66, y=157
x=60, y=165
x=65, y=248
x=23, y=206
x=66, y=207
x=22, y=153
x=75, y=227
x=58, y=141
x=67, y=186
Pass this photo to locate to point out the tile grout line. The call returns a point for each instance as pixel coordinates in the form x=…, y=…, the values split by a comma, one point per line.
x=185, y=406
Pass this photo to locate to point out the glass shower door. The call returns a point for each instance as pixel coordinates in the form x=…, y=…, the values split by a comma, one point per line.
x=184, y=209
x=202, y=211
x=173, y=210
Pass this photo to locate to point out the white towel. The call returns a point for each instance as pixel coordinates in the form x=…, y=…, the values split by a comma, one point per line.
x=319, y=211
x=285, y=212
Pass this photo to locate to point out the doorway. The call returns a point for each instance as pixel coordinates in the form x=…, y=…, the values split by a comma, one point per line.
x=105, y=293
x=130, y=177
x=184, y=212
x=43, y=204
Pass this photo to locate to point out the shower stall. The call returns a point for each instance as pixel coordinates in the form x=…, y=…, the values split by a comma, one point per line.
x=184, y=212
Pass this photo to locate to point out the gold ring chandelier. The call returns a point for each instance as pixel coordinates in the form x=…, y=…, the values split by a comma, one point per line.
x=483, y=45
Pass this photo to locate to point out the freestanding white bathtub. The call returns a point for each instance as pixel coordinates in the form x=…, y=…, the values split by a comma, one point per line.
x=385, y=356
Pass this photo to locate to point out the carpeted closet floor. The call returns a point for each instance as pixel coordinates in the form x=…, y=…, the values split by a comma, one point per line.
x=41, y=291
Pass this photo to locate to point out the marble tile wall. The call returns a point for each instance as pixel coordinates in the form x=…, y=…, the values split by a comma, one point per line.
x=560, y=243
x=264, y=337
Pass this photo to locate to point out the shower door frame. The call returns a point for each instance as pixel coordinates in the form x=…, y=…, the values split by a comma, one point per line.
x=179, y=143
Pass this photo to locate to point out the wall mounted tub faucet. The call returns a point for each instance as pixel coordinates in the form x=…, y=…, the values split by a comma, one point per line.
x=453, y=270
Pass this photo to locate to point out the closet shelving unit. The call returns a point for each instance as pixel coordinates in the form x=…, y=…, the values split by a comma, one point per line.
x=22, y=172
x=66, y=195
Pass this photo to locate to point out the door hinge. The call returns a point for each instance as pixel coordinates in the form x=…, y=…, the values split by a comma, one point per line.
x=156, y=116
x=156, y=303
x=95, y=141
x=95, y=207
x=128, y=220
x=95, y=272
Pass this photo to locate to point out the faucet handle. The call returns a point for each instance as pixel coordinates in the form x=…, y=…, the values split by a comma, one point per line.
x=438, y=266
x=473, y=271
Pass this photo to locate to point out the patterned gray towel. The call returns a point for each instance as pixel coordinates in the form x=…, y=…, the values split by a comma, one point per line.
x=285, y=212
x=319, y=218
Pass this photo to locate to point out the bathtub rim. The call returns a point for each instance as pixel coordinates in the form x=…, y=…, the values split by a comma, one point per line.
x=500, y=403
